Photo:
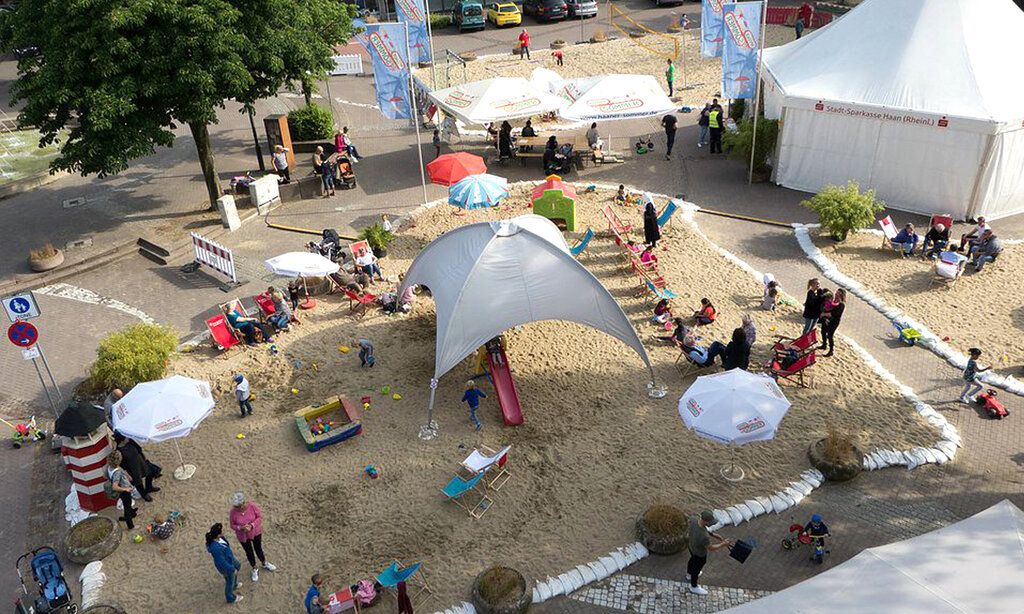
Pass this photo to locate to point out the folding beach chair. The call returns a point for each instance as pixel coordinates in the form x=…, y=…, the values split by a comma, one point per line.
x=413, y=576
x=457, y=488
x=354, y=248
x=614, y=222
x=946, y=219
x=265, y=303
x=487, y=460
x=579, y=248
x=223, y=335
x=889, y=233
x=802, y=344
x=795, y=372
x=666, y=214
x=688, y=366
x=357, y=304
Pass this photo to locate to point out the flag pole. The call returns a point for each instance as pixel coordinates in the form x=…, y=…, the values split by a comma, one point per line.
x=430, y=43
x=415, y=112
x=757, y=93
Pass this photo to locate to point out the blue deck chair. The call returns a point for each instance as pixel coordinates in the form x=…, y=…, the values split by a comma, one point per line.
x=664, y=293
x=666, y=214
x=577, y=249
x=458, y=487
x=395, y=573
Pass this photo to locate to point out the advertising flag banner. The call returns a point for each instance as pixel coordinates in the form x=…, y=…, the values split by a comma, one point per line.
x=711, y=33
x=385, y=42
x=412, y=13
x=742, y=25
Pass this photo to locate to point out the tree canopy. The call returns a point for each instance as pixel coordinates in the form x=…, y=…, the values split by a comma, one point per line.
x=121, y=74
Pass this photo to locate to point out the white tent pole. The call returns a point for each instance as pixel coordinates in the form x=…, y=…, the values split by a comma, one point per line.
x=757, y=93
x=415, y=111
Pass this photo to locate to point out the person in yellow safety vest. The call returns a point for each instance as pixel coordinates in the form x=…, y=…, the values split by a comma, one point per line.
x=715, y=126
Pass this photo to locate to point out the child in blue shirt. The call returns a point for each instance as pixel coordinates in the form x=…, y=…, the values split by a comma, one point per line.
x=971, y=371
x=472, y=398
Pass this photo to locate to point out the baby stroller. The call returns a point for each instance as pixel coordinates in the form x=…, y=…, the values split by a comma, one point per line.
x=54, y=594
x=345, y=178
x=561, y=162
x=329, y=247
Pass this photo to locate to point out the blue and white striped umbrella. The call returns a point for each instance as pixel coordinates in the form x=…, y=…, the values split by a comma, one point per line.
x=478, y=191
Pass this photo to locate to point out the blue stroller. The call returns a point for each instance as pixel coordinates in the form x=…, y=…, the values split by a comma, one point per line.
x=54, y=594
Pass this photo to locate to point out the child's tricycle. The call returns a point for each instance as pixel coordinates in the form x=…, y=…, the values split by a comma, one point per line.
x=25, y=432
x=798, y=536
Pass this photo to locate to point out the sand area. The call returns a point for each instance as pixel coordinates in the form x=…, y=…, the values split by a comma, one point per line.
x=591, y=435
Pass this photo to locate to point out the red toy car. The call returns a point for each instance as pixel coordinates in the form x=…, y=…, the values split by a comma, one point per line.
x=991, y=404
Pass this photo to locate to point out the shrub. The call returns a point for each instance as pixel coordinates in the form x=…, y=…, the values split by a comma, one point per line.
x=310, y=123
x=842, y=209
x=665, y=519
x=598, y=37
x=440, y=20
x=377, y=237
x=738, y=142
x=44, y=252
x=135, y=354
x=736, y=110
x=839, y=445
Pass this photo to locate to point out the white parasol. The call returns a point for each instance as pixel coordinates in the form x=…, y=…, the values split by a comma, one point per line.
x=733, y=407
x=302, y=264
x=164, y=409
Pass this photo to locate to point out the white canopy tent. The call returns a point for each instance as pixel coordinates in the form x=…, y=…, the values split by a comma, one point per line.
x=494, y=100
x=612, y=97
x=918, y=99
x=488, y=277
x=975, y=565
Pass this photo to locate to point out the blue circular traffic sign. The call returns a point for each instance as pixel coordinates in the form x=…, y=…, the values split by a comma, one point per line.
x=20, y=306
x=23, y=334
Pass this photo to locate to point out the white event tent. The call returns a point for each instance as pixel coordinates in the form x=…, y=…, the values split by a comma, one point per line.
x=973, y=566
x=488, y=277
x=494, y=100
x=921, y=100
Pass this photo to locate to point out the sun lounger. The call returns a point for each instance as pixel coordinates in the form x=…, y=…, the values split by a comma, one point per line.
x=457, y=488
x=889, y=233
x=265, y=303
x=487, y=460
x=946, y=219
x=578, y=249
x=414, y=577
x=795, y=372
x=802, y=344
x=357, y=304
x=223, y=335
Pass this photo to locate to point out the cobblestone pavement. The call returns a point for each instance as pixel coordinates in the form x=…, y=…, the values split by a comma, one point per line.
x=631, y=593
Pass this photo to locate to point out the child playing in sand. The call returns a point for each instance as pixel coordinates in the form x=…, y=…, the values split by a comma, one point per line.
x=971, y=371
x=312, y=600
x=706, y=313
x=771, y=297
x=557, y=54
x=242, y=395
x=293, y=293
x=620, y=196
x=366, y=357
x=662, y=312
x=472, y=398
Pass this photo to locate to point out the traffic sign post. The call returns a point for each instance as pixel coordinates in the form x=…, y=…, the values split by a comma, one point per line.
x=26, y=336
x=21, y=306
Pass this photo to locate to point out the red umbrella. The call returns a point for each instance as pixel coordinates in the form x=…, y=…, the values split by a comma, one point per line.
x=451, y=168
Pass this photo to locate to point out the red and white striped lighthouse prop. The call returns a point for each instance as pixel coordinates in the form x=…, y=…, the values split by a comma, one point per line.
x=86, y=459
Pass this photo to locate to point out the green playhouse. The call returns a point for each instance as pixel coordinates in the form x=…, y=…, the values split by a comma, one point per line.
x=555, y=200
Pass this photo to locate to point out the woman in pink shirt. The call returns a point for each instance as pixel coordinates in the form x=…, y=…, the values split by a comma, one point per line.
x=246, y=519
x=340, y=146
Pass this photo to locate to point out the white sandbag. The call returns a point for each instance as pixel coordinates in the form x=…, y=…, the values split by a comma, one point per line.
x=587, y=573
x=869, y=463
x=818, y=475
x=940, y=456
x=877, y=460
x=766, y=503
x=794, y=494
x=948, y=447
x=734, y=515
x=536, y=595
x=778, y=504
x=721, y=516
x=805, y=489
x=609, y=563
x=543, y=591
x=912, y=460
x=599, y=571
x=620, y=559
x=811, y=479
x=642, y=550
x=755, y=507
x=556, y=586
x=569, y=582
x=784, y=496
x=744, y=511
x=930, y=456
x=576, y=577
x=468, y=608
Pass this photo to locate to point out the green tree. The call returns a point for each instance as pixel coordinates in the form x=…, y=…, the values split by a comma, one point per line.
x=844, y=208
x=137, y=353
x=120, y=75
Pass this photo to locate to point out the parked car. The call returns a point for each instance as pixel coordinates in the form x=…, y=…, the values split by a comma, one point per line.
x=666, y=2
x=545, y=10
x=504, y=14
x=468, y=16
x=581, y=8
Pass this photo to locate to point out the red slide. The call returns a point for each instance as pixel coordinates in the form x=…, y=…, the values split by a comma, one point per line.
x=505, y=389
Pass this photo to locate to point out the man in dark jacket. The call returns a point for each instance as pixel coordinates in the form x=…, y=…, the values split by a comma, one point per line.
x=938, y=238
x=134, y=461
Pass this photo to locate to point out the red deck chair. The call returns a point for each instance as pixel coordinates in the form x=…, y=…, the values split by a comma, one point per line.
x=223, y=335
x=614, y=222
x=357, y=304
x=946, y=219
x=795, y=372
x=802, y=344
x=265, y=303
